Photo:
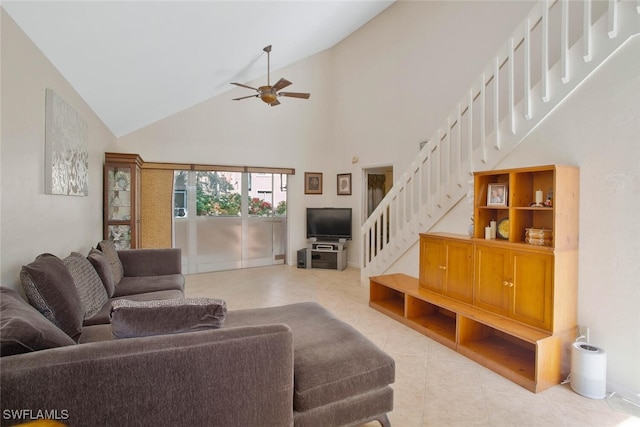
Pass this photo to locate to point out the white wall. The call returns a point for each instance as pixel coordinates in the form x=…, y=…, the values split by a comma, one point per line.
x=33, y=222
x=598, y=129
x=251, y=133
x=397, y=78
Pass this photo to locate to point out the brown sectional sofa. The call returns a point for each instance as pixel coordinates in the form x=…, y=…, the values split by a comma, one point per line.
x=294, y=365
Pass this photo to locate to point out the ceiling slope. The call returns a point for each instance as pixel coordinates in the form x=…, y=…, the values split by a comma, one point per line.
x=136, y=62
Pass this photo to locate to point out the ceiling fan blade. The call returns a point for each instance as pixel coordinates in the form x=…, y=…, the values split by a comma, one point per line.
x=248, y=87
x=245, y=97
x=295, y=95
x=281, y=84
x=274, y=103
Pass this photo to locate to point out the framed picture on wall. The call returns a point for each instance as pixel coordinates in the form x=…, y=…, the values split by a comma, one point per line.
x=313, y=183
x=344, y=184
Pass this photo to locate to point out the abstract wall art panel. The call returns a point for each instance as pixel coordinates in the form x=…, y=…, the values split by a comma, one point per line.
x=66, y=148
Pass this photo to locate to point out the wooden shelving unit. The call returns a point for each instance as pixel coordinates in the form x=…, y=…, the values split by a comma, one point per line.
x=516, y=351
x=510, y=305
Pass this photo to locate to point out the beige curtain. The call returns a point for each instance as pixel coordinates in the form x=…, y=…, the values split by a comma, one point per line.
x=156, y=214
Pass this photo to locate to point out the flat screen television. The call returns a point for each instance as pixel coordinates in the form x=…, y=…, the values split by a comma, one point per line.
x=329, y=224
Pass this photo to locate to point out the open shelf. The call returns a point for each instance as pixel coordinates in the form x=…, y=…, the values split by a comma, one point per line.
x=434, y=321
x=393, y=305
x=386, y=298
x=557, y=184
x=509, y=355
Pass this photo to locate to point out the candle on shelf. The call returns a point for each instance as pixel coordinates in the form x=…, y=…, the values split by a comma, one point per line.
x=538, y=197
x=487, y=232
x=493, y=229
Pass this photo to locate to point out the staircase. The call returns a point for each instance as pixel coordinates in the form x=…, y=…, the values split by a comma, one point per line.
x=557, y=47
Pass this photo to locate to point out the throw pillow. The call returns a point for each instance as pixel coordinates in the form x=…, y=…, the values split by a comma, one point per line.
x=90, y=288
x=49, y=287
x=103, y=268
x=108, y=248
x=144, y=318
x=23, y=329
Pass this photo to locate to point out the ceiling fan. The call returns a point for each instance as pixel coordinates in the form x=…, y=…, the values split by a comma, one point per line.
x=269, y=94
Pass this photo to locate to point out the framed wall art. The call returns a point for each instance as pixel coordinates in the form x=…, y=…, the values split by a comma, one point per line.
x=313, y=183
x=344, y=184
x=66, y=142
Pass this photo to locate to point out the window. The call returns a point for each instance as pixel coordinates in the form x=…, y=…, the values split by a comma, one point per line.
x=180, y=194
x=180, y=203
x=267, y=195
x=218, y=193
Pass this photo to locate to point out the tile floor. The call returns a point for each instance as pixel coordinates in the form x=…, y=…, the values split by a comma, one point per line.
x=434, y=385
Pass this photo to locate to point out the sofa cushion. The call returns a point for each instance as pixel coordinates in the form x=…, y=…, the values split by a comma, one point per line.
x=49, y=287
x=96, y=333
x=140, y=285
x=103, y=316
x=108, y=248
x=324, y=371
x=103, y=268
x=90, y=288
x=151, y=261
x=23, y=329
x=145, y=318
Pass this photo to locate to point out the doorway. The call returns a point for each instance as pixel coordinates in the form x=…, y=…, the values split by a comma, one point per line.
x=378, y=181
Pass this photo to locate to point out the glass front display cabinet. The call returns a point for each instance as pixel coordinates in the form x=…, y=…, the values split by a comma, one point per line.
x=122, y=199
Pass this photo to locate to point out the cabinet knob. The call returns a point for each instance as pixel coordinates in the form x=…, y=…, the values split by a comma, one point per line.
x=442, y=267
x=509, y=284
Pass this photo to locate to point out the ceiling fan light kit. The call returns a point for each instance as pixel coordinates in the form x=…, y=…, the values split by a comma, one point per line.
x=269, y=94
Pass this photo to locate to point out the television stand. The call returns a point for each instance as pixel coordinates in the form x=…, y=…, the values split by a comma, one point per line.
x=330, y=255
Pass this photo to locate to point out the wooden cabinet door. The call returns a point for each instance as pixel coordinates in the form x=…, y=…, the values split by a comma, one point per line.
x=432, y=265
x=491, y=287
x=532, y=291
x=458, y=271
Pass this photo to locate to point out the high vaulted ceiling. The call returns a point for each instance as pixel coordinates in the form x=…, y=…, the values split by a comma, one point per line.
x=136, y=62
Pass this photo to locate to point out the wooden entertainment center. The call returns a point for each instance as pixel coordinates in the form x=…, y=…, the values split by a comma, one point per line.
x=510, y=302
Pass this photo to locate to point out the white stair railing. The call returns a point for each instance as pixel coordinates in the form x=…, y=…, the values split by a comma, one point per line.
x=516, y=91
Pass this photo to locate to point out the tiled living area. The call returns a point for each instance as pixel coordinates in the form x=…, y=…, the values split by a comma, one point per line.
x=434, y=386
